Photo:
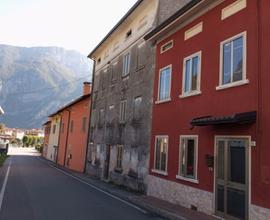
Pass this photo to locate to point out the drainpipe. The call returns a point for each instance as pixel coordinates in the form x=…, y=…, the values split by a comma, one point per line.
x=65, y=154
x=58, y=139
x=90, y=116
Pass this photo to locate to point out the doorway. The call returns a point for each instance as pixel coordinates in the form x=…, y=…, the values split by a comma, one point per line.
x=107, y=162
x=232, y=178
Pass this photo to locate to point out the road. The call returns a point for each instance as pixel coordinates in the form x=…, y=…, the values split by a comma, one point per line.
x=36, y=191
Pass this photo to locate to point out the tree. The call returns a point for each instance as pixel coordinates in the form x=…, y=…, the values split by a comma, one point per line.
x=25, y=140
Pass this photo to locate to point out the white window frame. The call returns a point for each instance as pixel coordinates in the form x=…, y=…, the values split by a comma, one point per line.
x=122, y=111
x=126, y=66
x=162, y=50
x=198, y=90
x=244, y=79
x=155, y=170
x=169, y=98
x=179, y=176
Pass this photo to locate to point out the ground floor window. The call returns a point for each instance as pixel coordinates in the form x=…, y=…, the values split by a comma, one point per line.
x=188, y=157
x=161, y=153
x=119, y=157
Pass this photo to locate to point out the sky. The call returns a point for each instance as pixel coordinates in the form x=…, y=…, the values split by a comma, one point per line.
x=72, y=24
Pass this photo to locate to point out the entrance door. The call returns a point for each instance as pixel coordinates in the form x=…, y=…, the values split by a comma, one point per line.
x=232, y=178
x=107, y=162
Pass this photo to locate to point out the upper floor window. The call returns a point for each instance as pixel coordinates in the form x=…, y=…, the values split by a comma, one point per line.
x=54, y=128
x=166, y=46
x=233, y=61
x=123, y=108
x=84, y=124
x=101, y=117
x=161, y=154
x=63, y=127
x=126, y=64
x=164, y=88
x=71, y=126
x=191, y=75
x=188, y=157
x=137, y=107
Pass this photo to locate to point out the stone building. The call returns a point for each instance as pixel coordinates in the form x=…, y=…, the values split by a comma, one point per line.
x=121, y=111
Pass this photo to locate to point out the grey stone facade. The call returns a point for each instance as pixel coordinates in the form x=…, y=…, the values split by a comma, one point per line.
x=107, y=131
x=110, y=88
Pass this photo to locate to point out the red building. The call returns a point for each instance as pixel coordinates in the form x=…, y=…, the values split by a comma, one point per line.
x=211, y=117
x=74, y=131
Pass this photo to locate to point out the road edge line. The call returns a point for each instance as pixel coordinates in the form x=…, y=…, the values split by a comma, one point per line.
x=2, y=193
x=100, y=190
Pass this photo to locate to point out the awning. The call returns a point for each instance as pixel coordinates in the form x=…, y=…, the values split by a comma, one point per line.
x=239, y=119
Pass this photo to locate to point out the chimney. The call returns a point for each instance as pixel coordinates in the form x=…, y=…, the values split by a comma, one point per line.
x=86, y=88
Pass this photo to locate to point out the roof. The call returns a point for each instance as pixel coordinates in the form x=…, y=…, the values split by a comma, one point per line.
x=116, y=26
x=46, y=123
x=70, y=104
x=171, y=19
x=239, y=118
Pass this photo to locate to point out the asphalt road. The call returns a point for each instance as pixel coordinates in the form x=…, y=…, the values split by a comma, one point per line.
x=36, y=191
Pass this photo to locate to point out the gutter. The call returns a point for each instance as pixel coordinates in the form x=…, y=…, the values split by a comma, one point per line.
x=67, y=137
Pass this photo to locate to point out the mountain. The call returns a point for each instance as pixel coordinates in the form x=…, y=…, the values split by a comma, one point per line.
x=35, y=81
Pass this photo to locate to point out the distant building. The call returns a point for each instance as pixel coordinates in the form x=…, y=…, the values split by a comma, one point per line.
x=53, y=143
x=47, y=131
x=74, y=130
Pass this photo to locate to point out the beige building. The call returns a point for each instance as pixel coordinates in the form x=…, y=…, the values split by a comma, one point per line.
x=52, y=147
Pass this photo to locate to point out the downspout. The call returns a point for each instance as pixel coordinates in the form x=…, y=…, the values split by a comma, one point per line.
x=58, y=139
x=65, y=154
x=90, y=116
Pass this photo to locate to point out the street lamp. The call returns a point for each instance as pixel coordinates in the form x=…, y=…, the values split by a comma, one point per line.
x=1, y=111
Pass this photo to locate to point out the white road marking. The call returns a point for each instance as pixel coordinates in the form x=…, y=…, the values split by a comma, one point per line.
x=100, y=190
x=2, y=193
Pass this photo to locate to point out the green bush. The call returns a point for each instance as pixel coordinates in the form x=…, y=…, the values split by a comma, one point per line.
x=3, y=157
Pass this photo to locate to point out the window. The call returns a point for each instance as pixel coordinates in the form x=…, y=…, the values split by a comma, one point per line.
x=110, y=113
x=71, y=126
x=166, y=46
x=63, y=127
x=126, y=64
x=191, y=75
x=129, y=33
x=161, y=154
x=164, y=84
x=233, y=61
x=122, y=114
x=137, y=107
x=101, y=117
x=114, y=72
x=119, y=157
x=188, y=157
x=54, y=128
x=84, y=124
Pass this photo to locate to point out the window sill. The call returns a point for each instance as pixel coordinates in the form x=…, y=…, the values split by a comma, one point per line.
x=190, y=94
x=125, y=77
x=187, y=179
x=164, y=173
x=234, y=84
x=162, y=101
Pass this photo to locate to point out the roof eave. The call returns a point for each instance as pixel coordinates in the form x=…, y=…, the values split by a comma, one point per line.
x=90, y=56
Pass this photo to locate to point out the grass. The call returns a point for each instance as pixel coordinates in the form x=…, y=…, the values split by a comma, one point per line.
x=3, y=157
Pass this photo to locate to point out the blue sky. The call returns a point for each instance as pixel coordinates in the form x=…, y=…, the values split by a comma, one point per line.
x=72, y=24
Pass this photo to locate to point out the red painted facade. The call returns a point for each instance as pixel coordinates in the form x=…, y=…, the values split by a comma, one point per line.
x=74, y=133
x=173, y=118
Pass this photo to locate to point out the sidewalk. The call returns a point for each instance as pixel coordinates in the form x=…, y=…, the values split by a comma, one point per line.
x=151, y=204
